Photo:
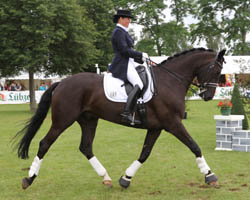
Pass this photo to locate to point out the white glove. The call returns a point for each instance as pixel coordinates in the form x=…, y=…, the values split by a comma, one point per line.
x=145, y=57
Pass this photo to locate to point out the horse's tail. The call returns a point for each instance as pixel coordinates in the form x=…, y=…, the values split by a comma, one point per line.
x=34, y=123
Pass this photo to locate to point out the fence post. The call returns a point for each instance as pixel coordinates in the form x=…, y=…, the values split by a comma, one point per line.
x=226, y=126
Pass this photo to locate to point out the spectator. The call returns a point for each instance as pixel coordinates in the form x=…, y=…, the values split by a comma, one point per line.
x=13, y=86
x=1, y=87
x=42, y=87
x=6, y=86
x=18, y=87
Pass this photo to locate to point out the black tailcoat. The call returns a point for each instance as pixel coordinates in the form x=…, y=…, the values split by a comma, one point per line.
x=122, y=44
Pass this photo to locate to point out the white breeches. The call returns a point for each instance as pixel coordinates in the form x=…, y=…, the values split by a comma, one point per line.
x=132, y=74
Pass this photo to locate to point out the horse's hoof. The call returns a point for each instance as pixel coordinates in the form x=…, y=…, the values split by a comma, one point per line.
x=124, y=182
x=212, y=180
x=25, y=183
x=214, y=184
x=108, y=183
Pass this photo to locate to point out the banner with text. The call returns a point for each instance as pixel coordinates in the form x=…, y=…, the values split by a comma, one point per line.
x=18, y=97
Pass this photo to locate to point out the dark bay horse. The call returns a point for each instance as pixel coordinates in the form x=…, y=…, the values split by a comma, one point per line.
x=84, y=101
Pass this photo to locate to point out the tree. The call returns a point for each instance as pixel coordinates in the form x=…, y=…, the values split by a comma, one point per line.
x=158, y=36
x=229, y=20
x=53, y=36
x=181, y=9
x=236, y=23
x=101, y=14
x=238, y=108
x=244, y=83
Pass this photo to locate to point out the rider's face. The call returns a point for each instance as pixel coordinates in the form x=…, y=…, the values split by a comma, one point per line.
x=125, y=21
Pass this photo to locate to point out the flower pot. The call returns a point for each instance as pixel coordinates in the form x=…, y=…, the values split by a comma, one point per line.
x=225, y=111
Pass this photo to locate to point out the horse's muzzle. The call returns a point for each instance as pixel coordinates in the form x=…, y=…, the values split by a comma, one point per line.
x=205, y=97
x=208, y=98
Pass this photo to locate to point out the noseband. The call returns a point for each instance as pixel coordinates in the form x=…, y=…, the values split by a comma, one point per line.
x=207, y=84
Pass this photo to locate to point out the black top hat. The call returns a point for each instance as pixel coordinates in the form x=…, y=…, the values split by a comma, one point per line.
x=122, y=13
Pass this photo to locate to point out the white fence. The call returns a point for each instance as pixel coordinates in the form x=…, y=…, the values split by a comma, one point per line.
x=221, y=93
x=19, y=97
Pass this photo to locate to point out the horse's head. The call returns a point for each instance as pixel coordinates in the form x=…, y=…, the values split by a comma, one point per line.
x=208, y=76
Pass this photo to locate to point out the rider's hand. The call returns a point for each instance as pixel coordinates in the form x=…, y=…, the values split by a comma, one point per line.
x=145, y=57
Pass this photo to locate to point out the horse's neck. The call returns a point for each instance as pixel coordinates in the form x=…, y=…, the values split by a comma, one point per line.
x=184, y=67
x=181, y=71
x=166, y=82
x=178, y=74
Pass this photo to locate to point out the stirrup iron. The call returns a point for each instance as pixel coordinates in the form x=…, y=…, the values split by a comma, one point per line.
x=133, y=120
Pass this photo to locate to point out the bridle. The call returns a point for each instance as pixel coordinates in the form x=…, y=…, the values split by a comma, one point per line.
x=203, y=87
x=207, y=84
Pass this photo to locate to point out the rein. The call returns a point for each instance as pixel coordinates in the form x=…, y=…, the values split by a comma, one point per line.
x=204, y=86
x=150, y=65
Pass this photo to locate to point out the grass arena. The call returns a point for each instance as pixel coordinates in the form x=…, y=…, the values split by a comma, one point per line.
x=169, y=173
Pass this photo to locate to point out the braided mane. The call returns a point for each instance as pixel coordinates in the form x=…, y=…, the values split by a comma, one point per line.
x=185, y=52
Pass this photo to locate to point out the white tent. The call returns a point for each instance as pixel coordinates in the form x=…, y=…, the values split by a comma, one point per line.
x=39, y=78
x=236, y=65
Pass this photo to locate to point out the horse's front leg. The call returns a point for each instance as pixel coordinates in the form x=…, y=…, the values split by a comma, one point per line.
x=181, y=133
x=149, y=142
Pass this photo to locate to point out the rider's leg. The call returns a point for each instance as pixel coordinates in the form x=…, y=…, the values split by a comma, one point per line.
x=132, y=75
x=135, y=80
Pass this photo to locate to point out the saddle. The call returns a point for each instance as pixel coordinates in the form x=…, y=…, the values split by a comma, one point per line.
x=117, y=91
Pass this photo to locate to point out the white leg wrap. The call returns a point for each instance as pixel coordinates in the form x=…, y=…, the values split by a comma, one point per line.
x=133, y=168
x=100, y=170
x=106, y=177
x=202, y=164
x=35, y=167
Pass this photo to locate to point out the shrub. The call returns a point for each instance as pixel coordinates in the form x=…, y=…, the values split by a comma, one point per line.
x=238, y=108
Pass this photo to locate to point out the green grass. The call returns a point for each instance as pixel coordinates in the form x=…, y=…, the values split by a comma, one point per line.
x=170, y=173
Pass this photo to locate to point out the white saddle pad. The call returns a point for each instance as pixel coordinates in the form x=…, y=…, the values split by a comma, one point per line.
x=115, y=90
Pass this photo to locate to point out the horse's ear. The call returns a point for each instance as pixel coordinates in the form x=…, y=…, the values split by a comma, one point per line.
x=221, y=54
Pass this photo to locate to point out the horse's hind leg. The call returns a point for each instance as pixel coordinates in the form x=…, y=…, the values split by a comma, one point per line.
x=88, y=125
x=44, y=146
x=180, y=132
x=149, y=142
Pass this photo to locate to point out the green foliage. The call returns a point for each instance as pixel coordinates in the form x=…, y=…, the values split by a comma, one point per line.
x=219, y=18
x=160, y=37
x=36, y=35
x=147, y=45
x=191, y=91
x=101, y=14
x=244, y=83
x=181, y=9
x=238, y=24
x=238, y=108
x=72, y=47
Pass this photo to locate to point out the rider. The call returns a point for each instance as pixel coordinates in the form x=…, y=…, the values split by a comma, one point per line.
x=123, y=64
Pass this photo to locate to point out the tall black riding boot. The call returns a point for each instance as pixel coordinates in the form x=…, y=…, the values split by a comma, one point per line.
x=129, y=108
